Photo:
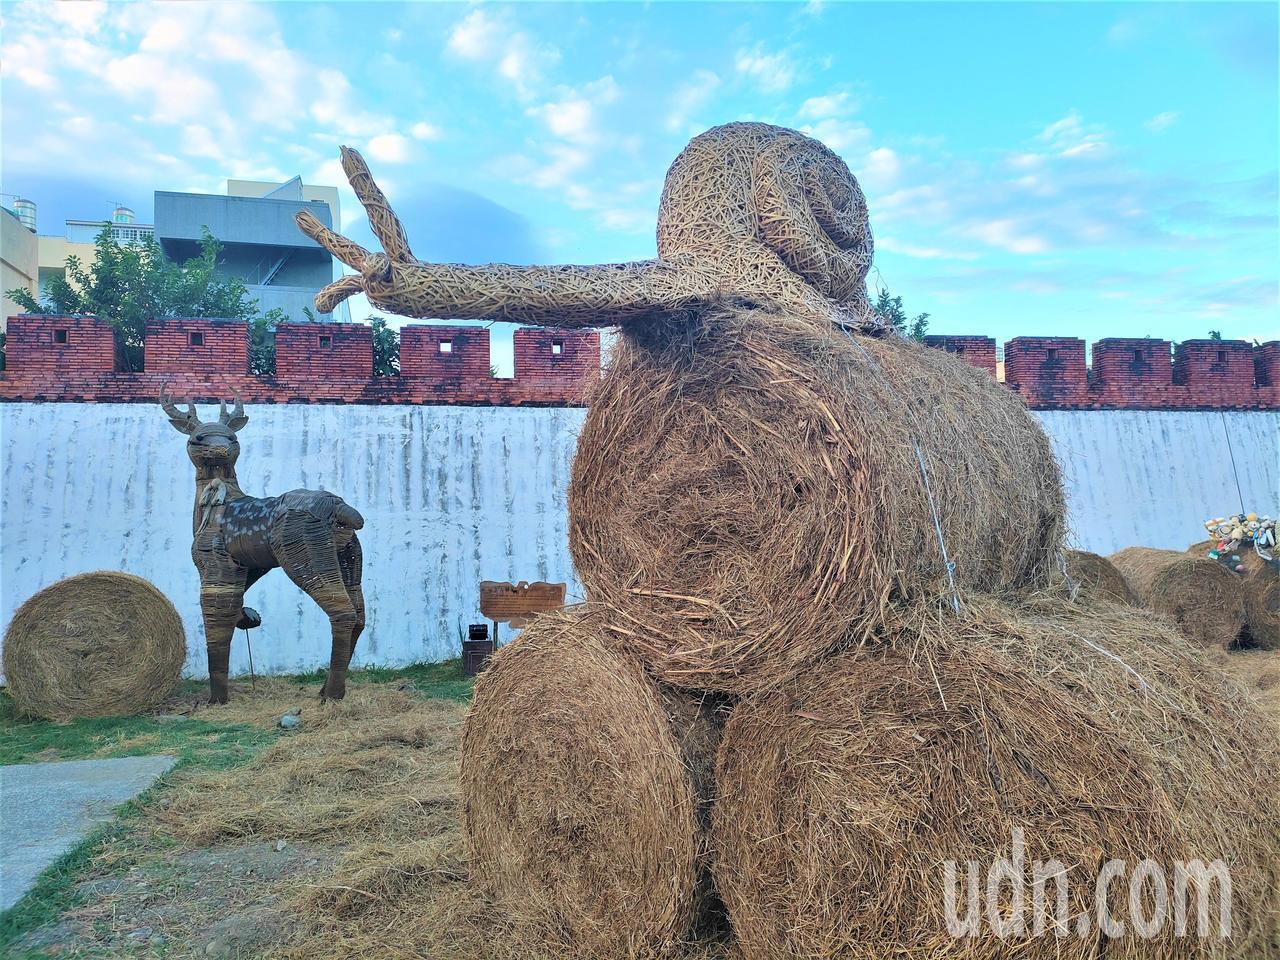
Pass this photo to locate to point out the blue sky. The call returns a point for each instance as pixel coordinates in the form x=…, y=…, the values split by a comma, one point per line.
x=1085, y=169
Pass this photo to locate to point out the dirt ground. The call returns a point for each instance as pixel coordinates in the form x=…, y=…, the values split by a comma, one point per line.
x=337, y=839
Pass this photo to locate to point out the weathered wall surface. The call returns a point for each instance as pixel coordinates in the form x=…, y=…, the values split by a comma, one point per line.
x=450, y=496
x=454, y=495
x=1152, y=478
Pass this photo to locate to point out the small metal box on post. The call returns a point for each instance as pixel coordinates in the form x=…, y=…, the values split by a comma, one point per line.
x=476, y=649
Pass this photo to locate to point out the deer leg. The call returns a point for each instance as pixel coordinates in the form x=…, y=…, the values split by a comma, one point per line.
x=312, y=564
x=351, y=560
x=221, y=596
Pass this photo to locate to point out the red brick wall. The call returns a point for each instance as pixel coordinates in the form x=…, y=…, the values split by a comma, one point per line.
x=1047, y=371
x=555, y=357
x=53, y=346
x=556, y=367
x=1131, y=371
x=978, y=351
x=423, y=354
x=320, y=352
x=183, y=345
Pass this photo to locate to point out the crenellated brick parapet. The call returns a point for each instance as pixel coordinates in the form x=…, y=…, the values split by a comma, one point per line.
x=75, y=358
x=978, y=351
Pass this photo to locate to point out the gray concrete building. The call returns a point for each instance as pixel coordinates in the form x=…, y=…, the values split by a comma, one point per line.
x=261, y=244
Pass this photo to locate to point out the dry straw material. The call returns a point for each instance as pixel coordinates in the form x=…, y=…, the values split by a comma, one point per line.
x=1204, y=598
x=1261, y=585
x=1095, y=733
x=584, y=793
x=1098, y=577
x=748, y=210
x=747, y=491
x=102, y=644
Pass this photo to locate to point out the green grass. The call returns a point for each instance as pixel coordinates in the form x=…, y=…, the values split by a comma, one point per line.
x=199, y=744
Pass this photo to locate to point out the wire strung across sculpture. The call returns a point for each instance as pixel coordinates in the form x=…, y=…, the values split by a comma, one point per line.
x=310, y=534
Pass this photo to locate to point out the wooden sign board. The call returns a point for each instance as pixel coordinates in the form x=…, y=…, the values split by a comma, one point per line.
x=516, y=604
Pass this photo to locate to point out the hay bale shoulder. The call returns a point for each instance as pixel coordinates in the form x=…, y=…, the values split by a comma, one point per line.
x=1201, y=596
x=101, y=644
x=841, y=801
x=585, y=791
x=1098, y=577
x=747, y=491
x=1260, y=582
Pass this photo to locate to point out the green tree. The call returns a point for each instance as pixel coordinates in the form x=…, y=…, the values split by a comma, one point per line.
x=386, y=348
x=1215, y=334
x=129, y=285
x=891, y=311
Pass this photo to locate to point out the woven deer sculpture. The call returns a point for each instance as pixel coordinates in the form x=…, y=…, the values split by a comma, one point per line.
x=310, y=534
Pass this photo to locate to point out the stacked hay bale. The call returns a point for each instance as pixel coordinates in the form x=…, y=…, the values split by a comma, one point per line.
x=1201, y=596
x=1098, y=577
x=1260, y=584
x=103, y=644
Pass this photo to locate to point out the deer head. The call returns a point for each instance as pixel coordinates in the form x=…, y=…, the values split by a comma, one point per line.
x=211, y=444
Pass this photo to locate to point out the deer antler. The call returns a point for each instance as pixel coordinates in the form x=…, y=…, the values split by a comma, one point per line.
x=236, y=418
x=186, y=422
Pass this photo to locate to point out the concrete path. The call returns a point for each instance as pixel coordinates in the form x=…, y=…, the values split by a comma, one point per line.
x=46, y=808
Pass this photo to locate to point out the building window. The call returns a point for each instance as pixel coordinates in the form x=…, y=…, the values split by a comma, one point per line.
x=446, y=346
x=197, y=339
x=557, y=347
x=326, y=342
x=1137, y=355
x=1051, y=354
x=1222, y=356
x=59, y=336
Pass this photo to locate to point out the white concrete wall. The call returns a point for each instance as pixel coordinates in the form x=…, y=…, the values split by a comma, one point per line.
x=1153, y=478
x=450, y=496
x=454, y=495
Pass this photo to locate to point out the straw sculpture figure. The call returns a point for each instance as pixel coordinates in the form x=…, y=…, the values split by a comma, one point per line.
x=775, y=498
x=103, y=644
x=1098, y=577
x=1260, y=582
x=1205, y=599
x=748, y=211
x=310, y=534
x=840, y=799
x=737, y=544
x=585, y=792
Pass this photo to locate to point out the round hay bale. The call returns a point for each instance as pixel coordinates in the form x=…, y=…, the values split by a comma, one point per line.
x=1202, y=596
x=1261, y=585
x=103, y=644
x=1061, y=733
x=585, y=791
x=1098, y=577
x=747, y=490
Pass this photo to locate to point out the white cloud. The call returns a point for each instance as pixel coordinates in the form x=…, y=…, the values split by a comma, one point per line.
x=389, y=148
x=880, y=169
x=516, y=56
x=574, y=116
x=690, y=97
x=1162, y=121
x=475, y=37
x=199, y=142
x=1071, y=137
x=828, y=105
x=772, y=72
x=922, y=253
x=425, y=131
x=1006, y=235
x=842, y=136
